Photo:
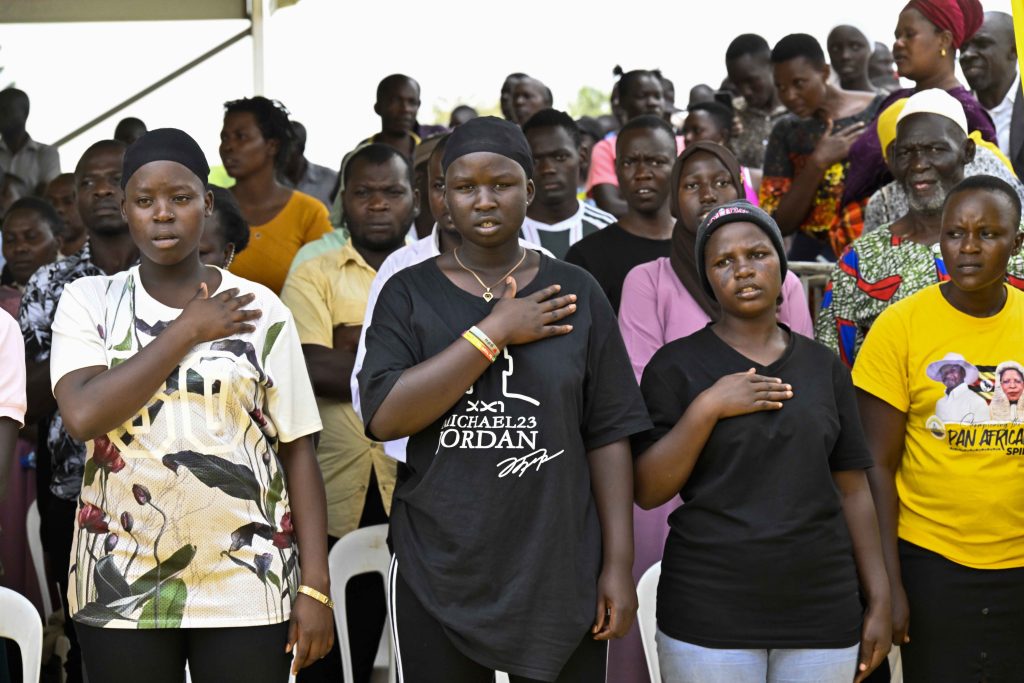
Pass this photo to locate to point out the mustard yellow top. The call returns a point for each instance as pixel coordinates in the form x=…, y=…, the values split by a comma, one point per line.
x=273, y=245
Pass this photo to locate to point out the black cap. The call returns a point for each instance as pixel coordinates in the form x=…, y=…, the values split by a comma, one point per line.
x=165, y=144
x=738, y=211
x=489, y=134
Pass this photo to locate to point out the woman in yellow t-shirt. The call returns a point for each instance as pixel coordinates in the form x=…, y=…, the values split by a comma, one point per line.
x=254, y=143
x=947, y=482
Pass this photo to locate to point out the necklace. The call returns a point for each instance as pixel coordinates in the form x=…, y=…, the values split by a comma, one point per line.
x=487, y=295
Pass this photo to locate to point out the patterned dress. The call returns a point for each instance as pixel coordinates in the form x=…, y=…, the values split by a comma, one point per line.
x=38, y=306
x=875, y=271
x=183, y=519
x=791, y=144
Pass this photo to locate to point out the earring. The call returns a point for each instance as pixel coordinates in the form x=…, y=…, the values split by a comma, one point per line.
x=943, y=53
x=230, y=258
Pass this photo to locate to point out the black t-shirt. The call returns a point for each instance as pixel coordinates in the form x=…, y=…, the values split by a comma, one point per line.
x=611, y=253
x=759, y=555
x=493, y=522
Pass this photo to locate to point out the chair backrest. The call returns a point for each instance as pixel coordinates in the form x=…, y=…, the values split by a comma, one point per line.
x=362, y=551
x=35, y=549
x=19, y=621
x=647, y=595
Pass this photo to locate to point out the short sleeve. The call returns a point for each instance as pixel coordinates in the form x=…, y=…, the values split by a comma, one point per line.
x=613, y=407
x=851, y=449
x=662, y=388
x=390, y=349
x=49, y=164
x=290, y=402
x=835, y=327
x=13, y=402
x=602, y=166
x=77, y=332
x=882, y=363
x=307, y=294
x=795, y=311
x=641, y=330
x=35, y=316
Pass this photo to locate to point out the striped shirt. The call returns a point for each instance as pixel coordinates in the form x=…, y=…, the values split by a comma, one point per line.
x=558, y=237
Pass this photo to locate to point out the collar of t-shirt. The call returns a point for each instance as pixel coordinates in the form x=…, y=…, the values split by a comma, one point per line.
x=573, y=221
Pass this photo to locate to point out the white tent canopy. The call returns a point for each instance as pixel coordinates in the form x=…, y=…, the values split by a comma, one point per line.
x=40, y=11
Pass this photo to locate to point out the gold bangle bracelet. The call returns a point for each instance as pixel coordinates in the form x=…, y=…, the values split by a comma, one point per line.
x=317, y=595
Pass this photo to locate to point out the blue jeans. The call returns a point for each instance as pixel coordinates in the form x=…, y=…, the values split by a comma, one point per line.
x=683, y=662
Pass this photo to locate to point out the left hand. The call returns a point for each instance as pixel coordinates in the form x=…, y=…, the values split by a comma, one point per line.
x=616, y=603
x=311, y=633
x=875, y=641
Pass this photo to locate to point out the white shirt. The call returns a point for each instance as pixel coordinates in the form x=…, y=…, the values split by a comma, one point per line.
x=417, y=252
x=574, y=224
x=962, y=405
x=1002, y=114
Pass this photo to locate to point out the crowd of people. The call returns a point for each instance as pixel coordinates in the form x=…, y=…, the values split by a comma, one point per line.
x=549, y=353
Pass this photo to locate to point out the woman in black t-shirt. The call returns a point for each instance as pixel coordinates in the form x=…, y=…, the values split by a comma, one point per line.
x=512, y=517
x=756, y=428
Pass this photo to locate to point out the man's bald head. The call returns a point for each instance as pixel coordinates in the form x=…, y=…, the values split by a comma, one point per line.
x=989, y=58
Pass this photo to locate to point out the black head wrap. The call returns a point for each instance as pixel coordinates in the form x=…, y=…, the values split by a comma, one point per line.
x=489, y=134
x=165, y=144
x=739, y=211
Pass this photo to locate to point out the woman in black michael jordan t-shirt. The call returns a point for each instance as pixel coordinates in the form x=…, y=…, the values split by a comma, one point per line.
x=512, y=520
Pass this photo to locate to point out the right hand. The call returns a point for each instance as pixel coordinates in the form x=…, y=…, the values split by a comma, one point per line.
x=525, y=320
x=224, y=315
x=743, y=393
x=900, y=615
x=834, y=145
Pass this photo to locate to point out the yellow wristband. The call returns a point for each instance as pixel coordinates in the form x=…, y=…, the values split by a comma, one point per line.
x=482, y=336
x=317, y=595
x=471, y=338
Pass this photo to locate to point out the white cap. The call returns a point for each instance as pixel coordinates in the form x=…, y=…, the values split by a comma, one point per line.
x=935, y=101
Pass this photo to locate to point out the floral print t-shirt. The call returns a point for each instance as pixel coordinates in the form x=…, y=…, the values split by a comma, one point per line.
x=183, y=519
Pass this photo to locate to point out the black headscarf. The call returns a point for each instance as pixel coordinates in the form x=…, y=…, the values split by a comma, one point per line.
x=489, y=134
x=684, y=238
x=165, y=144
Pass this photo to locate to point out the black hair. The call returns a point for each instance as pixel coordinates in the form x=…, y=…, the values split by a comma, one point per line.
x=272, y=118
x=442, y=142
x=629, y=79
x=992, y=185
x=377, y=154
x=721, y=114
x=97, y=146
x=389, y=82
x=229, y=215
x=15, y=95
x=126, y=126
x=518, y=75
x=552, y=118
x=588, y=125
x=799, y=45
x=648, y=122
x=43, y=209
x=747, y=44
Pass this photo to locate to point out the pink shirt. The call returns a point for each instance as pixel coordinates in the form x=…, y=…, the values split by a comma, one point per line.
x=602, y=167
x=12, y=370
x=656, y=308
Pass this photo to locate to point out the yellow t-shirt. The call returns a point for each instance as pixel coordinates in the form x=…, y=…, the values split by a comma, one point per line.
x=273, y=245
x=961, y=480
x=324, y=292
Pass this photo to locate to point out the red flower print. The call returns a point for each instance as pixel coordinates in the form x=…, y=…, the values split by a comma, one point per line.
x=282, y=540
x=257, y=415
x=106, y=455
x=92, y=519
x=286, y=523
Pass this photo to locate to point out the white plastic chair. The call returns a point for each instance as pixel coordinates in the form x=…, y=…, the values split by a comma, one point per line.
x=35, y=549
x=646, y=619
x=362, y=551
x=19, y=621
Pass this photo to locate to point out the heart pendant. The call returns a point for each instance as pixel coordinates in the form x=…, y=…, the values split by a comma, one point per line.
x=488, y=296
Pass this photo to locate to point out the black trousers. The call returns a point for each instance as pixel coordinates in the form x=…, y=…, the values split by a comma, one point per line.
x=966, y=625
x=426, y=655
x=367, y=610
x=254, y=654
